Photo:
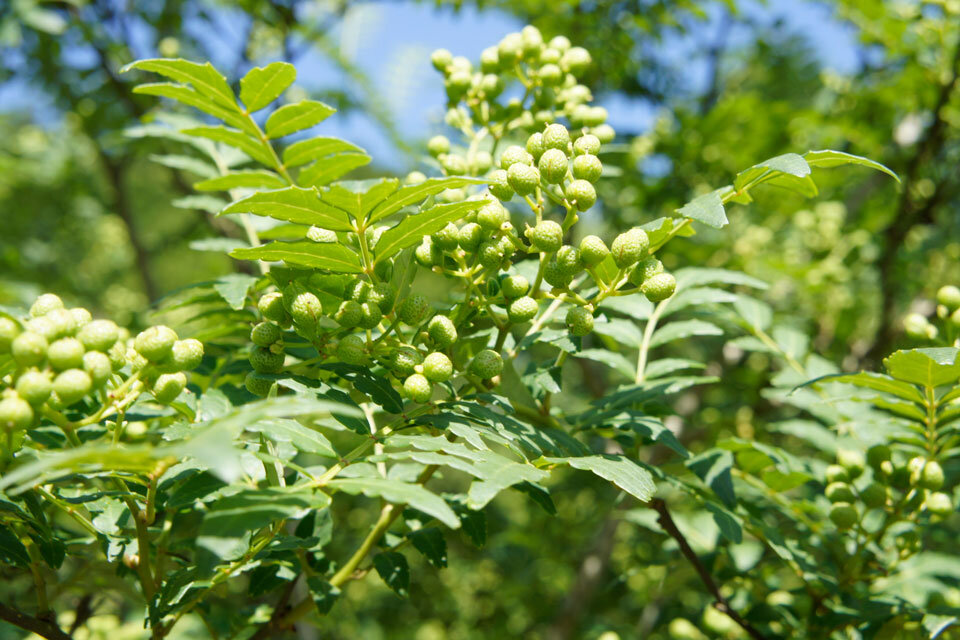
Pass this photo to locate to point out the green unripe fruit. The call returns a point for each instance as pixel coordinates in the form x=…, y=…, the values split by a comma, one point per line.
x=587, y=145
x=605, y=133
x=370, y=315
x=8, y=331
x=404, y=360
x=932, y=476
x=45, y=304
x=271, y=308
x=514, y=155
x=853, y=461
x=576, y=60
x=535, y=145
x=874, y=496
x=568, y=260
x=877, y=455
x=98, y=335
x=644, y=270
x=306, y=310
x=118, y=356
x=579, y=321
x=491, y=86
x=258, y=384
x=453, y=164
x=550, y=75
x=470, y=236
x=532, y=40
x=556, y=276
x=16, y=414
x=955, y=318
x=487, y=364
x=417, y=388
x=899, y=477
x=507, y=246
x=155, y=343
x=71, y=385
x=413, y=310
x=34, y=386
x=427, y=254
x=492, y=215
x=593, y=251
x=547, y=236
x=185, y=355
x=683, y=629
x=489, y=60
x=438, y=145
x=384, y=270
x=523, y=309
x=321, y=236
x=440, y=59
x=457, y=83
x=510, y=48
x=81, y=317
x=523, y=178
x=553, y=166
x=491, y=255
x=266, y=361
x=844, y=515
x=836, y=473
x=594, y=116
x=499, y=185
x=442, y=331
x=358, y=290
x=581, y=193
x=556, y=136
x=939, y=504
x=560, y=43
x=587, y=167
x=415, y=177
x=66, y=353
x=949, y=296
x=29, y=349
x=265, y=334
x=98, y=367
x=514, y=287
x=169, y=386
x=659, y=287
x=62, y=321
x=42, y=326
x=437, y=367
x=352, y=349
x=447, y=238
x=629, y=247
x=839, y=492
x=384, y=295
x=916, y=326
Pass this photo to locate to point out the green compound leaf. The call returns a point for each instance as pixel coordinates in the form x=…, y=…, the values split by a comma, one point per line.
x=620, y=470
x=828, y=158
x=292, y=204
x=707, y=209
x=303, y=438
x=431, y=543
x=306, y=151
x=326, y=170
x=242, y=180
x=411, y=229
x=789, y=164
x=395, y=492
x=417, y=193
x=394, y=570
x=263, y=85
x=237, y=139
x=323, y=593
x=233, y=288
x=191, y=98
x=291, y=118
x=203, y=77
x=332, y=257
x=926, y=367
x=713, y=467
x=875, y=381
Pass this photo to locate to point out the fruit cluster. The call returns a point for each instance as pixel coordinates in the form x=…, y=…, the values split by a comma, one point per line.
x=56, y=357
x=918, y=326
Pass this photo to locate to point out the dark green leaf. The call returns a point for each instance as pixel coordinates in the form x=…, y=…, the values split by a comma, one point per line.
x=619, y=470
x=323, y=593
x=713, y=467
x=431, y=543
x=394, y=492
x=393, y=570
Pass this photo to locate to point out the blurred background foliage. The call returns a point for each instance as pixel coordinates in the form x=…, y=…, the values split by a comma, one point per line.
x=697, y=90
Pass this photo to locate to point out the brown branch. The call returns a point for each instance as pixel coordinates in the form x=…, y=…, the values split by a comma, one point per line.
x=41, y=627
x=721, y=604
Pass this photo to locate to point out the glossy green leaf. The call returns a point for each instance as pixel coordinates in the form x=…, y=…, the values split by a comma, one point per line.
x=828, y=158
x=707, y=209
x=303, y=438
x=417, y=193
x=399, y=493
x=788, y=163
x=292, y=204
x=291, y=118
x=186, y=163
x=306, y=151
x=233, y=288
x=618, y=469
x=332, y=257
x=926, y=367
x=683, y=329
x=411, y=229
x=323, y=593
x=263, y=85
x=326, y=170
x=877, y=382
x=713, y=467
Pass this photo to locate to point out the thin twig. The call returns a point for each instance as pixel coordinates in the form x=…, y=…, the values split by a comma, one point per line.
x=43, y=628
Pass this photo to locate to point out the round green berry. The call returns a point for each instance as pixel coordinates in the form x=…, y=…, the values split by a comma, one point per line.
x=853, y=461
x=569, y=260
x=370, y=315
x=413, y=310
x=417, y=388
x=168, y=386
x=492, y=215
x=593, y=251
x=437, y=367
x=514, y=155
x=349, y=314
x=71, y=385
x=836, y=473
x=45, y=304
x=81, y=317
x=470, y=236
x=427, y=253
x=185, y=355
x=155, y=343
x=949, y=296
x=535, y=146
x=34, y=386
x=384, y=295
x=98, y=367
x=586, y=145
x=265, y=334
x=553, y=166
x=659, y=287
x=932, y=476
x=874, y=495
x=65, y=353
x=358, y=290
x=839, y=492
x=16, y=414
x=414, y=178
x=491, y=255
x=118, y=356
x=550, y=75
x=579, y=321
x=844, y=515
x=487, y=364
x=514, y=286
x=352, y=349
x=532, y=40
x=321, y=236
x=440, y=59
x=453, y=164
x=448, y=238
x=594, y=116
x=628, y=247
x=384, y=269
x=581, y=193
x=499, y=185
x=523, y=309
x=266, y=361
x=605, y=133
x=523, y=178
x=877, y=455
x=587, y=167
x=457, y=83
x=510, y=47
x=64, y=323
x=546, y=237
x=404, y=360
x=306, y=310
x=576, y=60
x=644, y=270
x=556, y=276
x=42, y=326
x=556, y=136
x=98, y=335
x=489, y=60
x=258, y=384
x=271, y=307
x=438, y=145
x=442, y=331
x=8, y=331
x=939, y=504
x=29, y=349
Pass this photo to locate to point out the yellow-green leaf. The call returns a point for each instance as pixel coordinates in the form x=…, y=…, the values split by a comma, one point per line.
x=263, y=85
x=296, y=117
x=332, y=257
x=292, y=204
x=202, y=77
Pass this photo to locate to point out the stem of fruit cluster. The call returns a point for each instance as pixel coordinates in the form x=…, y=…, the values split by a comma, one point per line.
x=647, y=337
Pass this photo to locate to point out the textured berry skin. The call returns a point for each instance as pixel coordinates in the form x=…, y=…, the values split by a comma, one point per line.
x=71, y=385
x=499, y=185
x=306, y=309
x=523, y=178
x=271, y=308
x=644, y=270
x=556, y=136
x=8, y=331
x=155, y=343
x=322, y=236
x=587, y=144
x=265, y=361
x=384, y=295
x=169, y=386
x=64, y=323
x=569, y=260
x=491, y=255
x=628, y=247
x=370, y=315
x=844, y=515
x=839, y=492
x=939, y=504
x=265, y=334
x=258, y=384
x=98, y=367
x=932, y=476
x=442, y=331
x=492, y=215
x=535, y=146
x=42, y=326
x=949, y=296
x=593, y=251
x=98, y=335
x=514, y=155
x=853, y=461
x=438, y=145
x=547, y=236
x=579, y=321
x=514, y=287
x=587, y=167
x=45, y=304
x=447, y=238
x=659, y=287
x=556, y=276
x=874, y=495
x=428, y=254
x=553, y=166
x=404, y=360
x=352, y=349
x=16, y=414
x=118, y=356
x=29, y=349
x=418, y=388
x=437, y=367
x=34, y=386
x=453, y=164
x=81, y=317
x=487, y=364
x=65, y=353
x=413, y=310
x=470, y=236
x=523, y=309
x=186, y=354
x=358, y=291
x=581, y=193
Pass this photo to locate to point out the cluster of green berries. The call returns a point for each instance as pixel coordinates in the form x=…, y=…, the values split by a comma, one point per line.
x=60, y=356
x=900, y=488
x=918, y=326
